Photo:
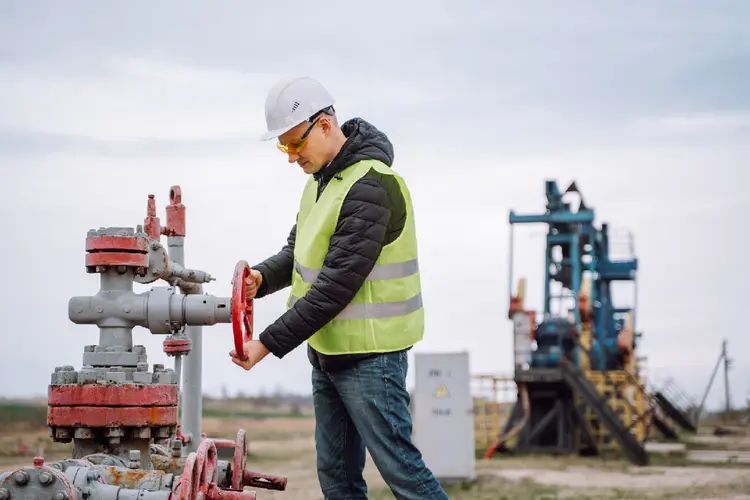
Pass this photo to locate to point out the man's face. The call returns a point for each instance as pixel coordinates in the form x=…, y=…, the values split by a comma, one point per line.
x=306, y=144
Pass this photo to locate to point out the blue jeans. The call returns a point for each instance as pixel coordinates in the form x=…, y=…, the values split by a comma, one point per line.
x=368, y=406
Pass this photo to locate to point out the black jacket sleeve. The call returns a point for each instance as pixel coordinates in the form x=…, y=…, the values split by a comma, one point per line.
x=354, y=248
x=277, y=269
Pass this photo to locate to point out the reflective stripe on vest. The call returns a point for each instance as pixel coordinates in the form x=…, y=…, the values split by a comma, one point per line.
x=379, y=272
x=378, y=310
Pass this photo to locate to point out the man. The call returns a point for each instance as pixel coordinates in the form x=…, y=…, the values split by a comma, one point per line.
x=351, y=261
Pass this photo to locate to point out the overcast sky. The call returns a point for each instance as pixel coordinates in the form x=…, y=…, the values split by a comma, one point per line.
x=645, y=105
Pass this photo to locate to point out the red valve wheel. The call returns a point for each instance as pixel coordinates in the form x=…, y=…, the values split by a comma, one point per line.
x=242, y=309
x=199, y=474
x=240, y=461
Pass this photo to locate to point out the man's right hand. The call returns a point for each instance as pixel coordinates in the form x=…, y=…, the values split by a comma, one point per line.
x=252, y=283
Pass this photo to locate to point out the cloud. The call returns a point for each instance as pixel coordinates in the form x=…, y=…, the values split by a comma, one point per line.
x=135, y=99
x=714, y=125
x=644, y=106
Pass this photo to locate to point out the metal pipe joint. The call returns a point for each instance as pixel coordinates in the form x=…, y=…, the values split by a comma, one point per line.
x=160, y=310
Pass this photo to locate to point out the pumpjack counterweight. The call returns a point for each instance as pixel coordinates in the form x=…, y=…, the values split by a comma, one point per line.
x=120, y=412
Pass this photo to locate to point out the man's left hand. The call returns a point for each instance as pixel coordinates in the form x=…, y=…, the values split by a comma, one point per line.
x=254, y=352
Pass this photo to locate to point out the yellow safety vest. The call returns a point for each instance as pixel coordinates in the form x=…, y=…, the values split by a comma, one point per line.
x=386, y=314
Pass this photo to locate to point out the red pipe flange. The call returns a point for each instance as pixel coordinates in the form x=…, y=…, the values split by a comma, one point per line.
x=111, y=250
x=242, y=309
x=173, y=347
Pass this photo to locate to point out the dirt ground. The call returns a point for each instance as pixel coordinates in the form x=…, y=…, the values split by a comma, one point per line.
x=286, y=447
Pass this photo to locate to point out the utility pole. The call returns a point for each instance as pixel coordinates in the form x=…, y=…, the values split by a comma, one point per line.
x=727, y=402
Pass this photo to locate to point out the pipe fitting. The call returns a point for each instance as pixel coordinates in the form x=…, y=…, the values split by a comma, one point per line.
x=168, y=312
x=160, y=310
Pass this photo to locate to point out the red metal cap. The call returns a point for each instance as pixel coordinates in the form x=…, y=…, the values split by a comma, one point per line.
x=175, y=214
x=152, y=224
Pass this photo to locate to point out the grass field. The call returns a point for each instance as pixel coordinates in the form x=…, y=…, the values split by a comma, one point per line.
x=281, y=442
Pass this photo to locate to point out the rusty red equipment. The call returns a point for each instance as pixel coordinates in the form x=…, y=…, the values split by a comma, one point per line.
x=121, y=413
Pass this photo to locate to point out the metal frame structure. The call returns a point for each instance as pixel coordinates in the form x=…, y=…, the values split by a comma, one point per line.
x=121, y=414
x=577, y=256
x=575, y=363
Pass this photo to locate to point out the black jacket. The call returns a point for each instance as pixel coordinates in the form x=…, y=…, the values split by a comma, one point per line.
x=372, y=216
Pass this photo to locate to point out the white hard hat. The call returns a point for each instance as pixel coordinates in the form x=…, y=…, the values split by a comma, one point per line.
x=291, y=101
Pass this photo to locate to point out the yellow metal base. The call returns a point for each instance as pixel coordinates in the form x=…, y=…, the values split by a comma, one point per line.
x=627, y=399
x=625, y=395
x=493, y=404
x=492, y=407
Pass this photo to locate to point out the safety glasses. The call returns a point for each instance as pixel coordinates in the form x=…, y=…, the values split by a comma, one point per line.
x=295, y=147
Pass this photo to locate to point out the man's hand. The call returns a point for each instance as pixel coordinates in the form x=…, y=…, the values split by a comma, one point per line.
x=252, y=283
x=254, y=351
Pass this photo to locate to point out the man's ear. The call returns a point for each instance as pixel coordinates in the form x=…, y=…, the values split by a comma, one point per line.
x=326, y=126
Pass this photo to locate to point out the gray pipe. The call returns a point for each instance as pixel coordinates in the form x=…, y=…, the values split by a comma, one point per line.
x=191, y=387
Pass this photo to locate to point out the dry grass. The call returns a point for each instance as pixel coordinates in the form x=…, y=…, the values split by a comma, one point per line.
x=523, y=477
x=489, y=487
x=285, y=446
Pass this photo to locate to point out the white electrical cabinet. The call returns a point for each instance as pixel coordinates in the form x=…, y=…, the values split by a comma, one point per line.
x=444, y=415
